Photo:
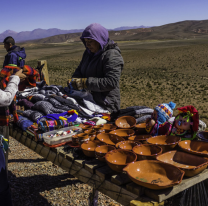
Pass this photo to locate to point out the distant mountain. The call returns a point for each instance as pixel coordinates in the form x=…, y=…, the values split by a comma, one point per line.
x=129, y=27
x=178, y=30
x=35, y=34
x=43, y=33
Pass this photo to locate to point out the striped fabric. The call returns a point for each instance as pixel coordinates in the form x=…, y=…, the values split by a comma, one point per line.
x=30, y=81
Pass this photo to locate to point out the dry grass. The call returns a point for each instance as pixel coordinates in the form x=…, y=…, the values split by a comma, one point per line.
x=154, y=72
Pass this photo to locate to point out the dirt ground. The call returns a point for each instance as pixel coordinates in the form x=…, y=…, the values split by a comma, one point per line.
x=154, y=71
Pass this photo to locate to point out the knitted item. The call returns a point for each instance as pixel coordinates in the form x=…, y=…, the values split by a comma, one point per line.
x=33, y=115
x=46, y=108
x=25, y=103
x=164, y=111
x=23, y=123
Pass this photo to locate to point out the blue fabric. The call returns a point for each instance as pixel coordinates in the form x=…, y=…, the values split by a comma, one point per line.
x=5, y=194
x=24, y=122
x=72, y=117
x=13, y=56
x=2, y=159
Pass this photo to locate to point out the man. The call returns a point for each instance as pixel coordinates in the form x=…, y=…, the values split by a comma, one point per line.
x=16, y=55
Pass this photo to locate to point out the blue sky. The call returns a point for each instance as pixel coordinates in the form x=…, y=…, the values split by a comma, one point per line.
x=27, y=15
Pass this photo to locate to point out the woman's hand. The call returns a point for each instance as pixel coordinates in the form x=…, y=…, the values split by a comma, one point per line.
x=21, y=75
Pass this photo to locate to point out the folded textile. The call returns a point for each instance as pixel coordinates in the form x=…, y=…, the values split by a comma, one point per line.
x=33, y=115
x=46, y=126
x=142, y=119
x=134, y=111
x=24, y=102
x=36, y=97
x=46, y=108
x=57, y=104
x=71, y=105
x=24, y=122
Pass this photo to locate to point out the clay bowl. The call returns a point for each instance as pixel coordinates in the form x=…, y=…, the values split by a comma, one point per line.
x=140, y=138
x=118, y=159
x=85, y=127
x=75, y=139
x=97, y=127
x=167, y=143
x=154, y=174
x=189, y=163
x=89, y=147
x=91, y=133
x=83, y=137
x=105, y=131
x=141, y=128
x=194, y=147
x=203, y=136
x=128, y=145
x=125, y=133
x=109, y=126
x=147, y=151
x=110, y=139
x=102, y=150
x=125, y=122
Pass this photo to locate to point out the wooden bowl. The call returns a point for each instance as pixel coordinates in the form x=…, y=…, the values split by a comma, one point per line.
x=128, y=145
x=110, y=139
x=147, y=151
x=118, y=159
x=194, y=147
x=141, y=129
x=102, y=150
x=141, y=138
x=189, y=163
x=167, y=143
x=89, y=147
x=125, y=122
x=154, y=174
x=125, y=133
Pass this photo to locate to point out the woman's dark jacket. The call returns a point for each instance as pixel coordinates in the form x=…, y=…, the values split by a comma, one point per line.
x=103, y=71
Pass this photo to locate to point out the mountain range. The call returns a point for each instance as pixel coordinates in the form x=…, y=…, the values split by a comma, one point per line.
x=179, y=30
x=43, y=33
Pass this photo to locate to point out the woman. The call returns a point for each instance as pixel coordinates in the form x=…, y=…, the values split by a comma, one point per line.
x=100, y=68
x=6, y=98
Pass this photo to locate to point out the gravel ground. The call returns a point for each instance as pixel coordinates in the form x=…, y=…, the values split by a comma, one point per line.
x=35, y=181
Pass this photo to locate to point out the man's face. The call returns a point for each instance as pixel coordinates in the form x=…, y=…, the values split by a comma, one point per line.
x=92, y=45
x=7, y=46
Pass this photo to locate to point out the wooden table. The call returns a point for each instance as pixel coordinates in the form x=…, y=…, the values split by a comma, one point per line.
x=98, y=175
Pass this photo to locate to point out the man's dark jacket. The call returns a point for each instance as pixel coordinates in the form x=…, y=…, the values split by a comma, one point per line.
x=15, y=57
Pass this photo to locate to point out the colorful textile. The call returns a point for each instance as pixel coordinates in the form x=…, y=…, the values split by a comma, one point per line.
x=6, y=111
x=30, y=81
x=7, y=105
x=73, y=116
x=164, y=111
x=46, y=126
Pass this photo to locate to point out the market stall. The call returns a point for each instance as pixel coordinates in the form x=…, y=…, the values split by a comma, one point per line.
x=113, y=153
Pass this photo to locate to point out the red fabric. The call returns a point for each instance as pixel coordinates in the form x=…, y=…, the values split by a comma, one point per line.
x=195, y=116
